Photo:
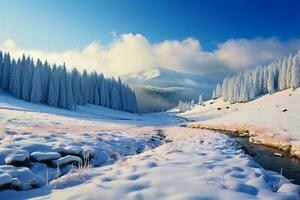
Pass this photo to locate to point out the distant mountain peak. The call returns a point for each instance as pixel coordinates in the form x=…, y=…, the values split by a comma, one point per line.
x=152, y=73
x=162, y=86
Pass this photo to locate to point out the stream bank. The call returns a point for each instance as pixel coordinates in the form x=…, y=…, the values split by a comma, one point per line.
x=270, y=158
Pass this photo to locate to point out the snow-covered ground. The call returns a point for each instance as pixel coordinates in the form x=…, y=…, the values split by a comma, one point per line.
x=271, y=119
x=193, y=166
x=95, y=152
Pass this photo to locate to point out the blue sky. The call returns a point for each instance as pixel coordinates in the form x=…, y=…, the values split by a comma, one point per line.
x=212, y=37
x=60, y=25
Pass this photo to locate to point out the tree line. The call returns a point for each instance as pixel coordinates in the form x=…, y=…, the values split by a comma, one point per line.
x=248, y=85
x=40, y=82
x=184, y=106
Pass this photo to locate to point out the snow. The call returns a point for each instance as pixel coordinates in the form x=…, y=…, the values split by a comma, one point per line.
x=263, y=118
x=195, y=168
x=125, y=156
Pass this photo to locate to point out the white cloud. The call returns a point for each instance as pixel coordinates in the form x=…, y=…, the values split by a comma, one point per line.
x=243, y=53
x=130, y=53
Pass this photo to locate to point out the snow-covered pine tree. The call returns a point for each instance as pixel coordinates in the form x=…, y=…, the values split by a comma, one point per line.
x=76, y=81
x=53, y=93
x=200, y=100
x=1, y=66
x=84, y=87
x=218, y=91
x=27, y=79
x=213, y=96
x=282, y=74
x=247, y=85
x=15, y=83
x=42, y=83
x=124, y=98
x=289, y=71
x=6, y=72
x=69, y=93
x=36, y=87
x=115, y=96
x=103, y=93
x=295, y=80
x=270, y=86
x=45, y=76
x=11, y=81
x=62, y=100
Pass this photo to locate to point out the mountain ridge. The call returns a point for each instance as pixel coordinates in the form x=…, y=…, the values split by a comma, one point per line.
x=163, y=88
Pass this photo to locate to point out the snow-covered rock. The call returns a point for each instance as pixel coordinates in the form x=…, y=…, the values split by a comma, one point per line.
x=5, y=179
x=16, y=184
x=88, y=152
x=66, y=160
x=44, y=156
x=4, y=152
x=44, y=171
x=28, y=179
x=22, y=177
x=73, y=150
x=18, y=158
x=31, y=147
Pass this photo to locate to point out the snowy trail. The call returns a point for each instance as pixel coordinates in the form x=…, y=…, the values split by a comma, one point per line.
x=193, y=166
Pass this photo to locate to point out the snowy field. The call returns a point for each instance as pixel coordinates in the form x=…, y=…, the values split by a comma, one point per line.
x=94, y=152
x=271, y=119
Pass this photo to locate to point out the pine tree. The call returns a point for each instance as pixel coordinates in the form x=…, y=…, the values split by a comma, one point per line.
x=76, y=79
x=104, y=98
x=53, y=93
x=69, y=93
x=1, y=67
x=45, y=74
x=62, y=100
x=282, y=74
x=16, y=83
x=200, y=101
x=289, y=71
x=27, y=80
x=42, y=83
x=84, y=87
x=270, y=86
x=295, y=72
x=6, y=72
x=115, y=98
x=36, y=88
x=218, y=91
x=12, y=78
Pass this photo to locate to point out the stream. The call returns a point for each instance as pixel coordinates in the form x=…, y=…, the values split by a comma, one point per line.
x=264, y=156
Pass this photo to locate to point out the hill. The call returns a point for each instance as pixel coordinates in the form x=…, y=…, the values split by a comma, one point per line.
x=271, y=119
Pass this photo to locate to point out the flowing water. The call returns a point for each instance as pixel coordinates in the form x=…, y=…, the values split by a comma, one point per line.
x=264, y=156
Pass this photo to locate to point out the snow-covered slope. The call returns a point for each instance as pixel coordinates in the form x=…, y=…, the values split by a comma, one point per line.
x=87, y=112
x=161, y=88
x=271, y=119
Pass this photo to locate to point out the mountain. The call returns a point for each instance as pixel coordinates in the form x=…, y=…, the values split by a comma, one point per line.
x=162, y=88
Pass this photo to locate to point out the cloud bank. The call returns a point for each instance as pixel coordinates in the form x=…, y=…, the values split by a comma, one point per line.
x=130, y=53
